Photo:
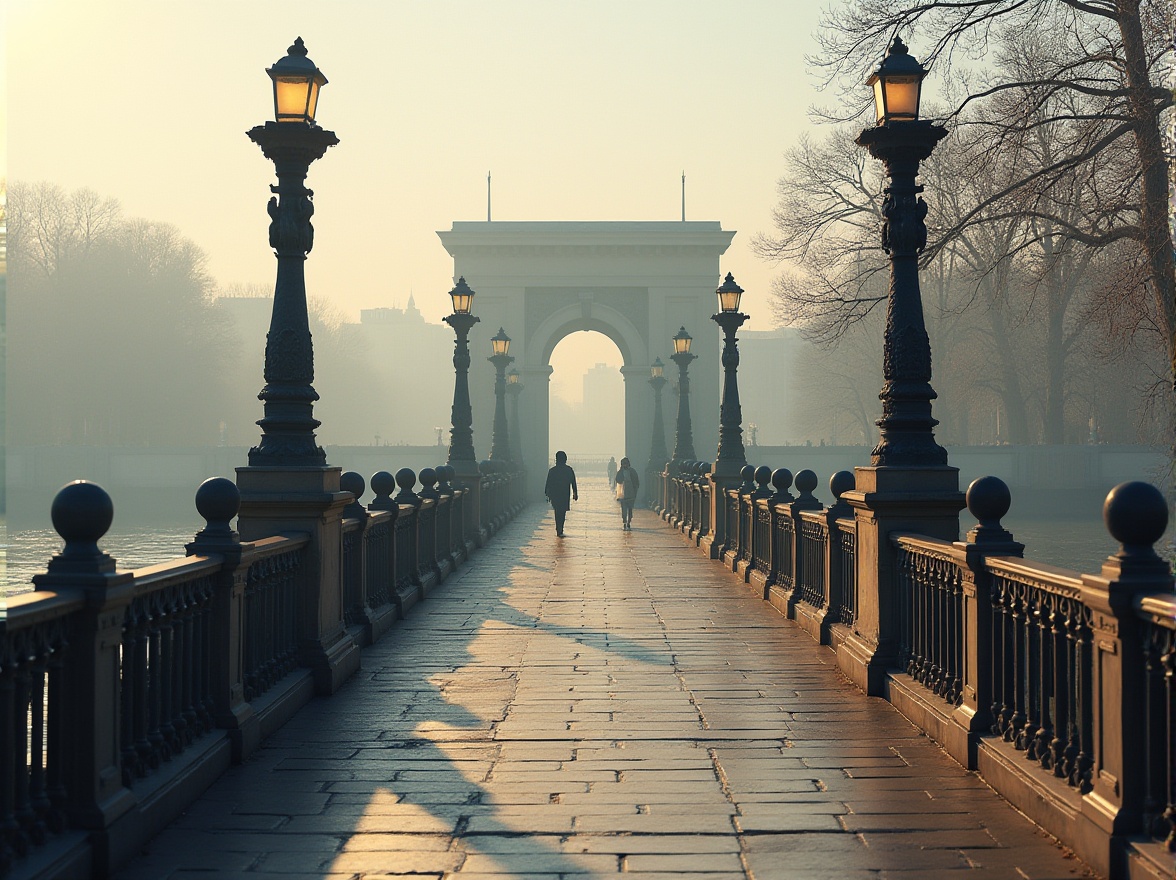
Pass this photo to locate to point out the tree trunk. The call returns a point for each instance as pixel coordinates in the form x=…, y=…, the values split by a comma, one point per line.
x=1154, y=180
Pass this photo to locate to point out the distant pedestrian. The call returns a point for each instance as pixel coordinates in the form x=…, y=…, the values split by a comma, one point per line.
x=612, y=471
x=561, y=483
x=626, y=484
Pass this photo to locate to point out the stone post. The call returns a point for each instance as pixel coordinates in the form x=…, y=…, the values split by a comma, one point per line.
x=988, y=500
x=1136, y=514
x=218, y=501
x=90, y=684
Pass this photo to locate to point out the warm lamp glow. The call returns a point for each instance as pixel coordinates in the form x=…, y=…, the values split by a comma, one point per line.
x=658, y=369
x=296, y=86
x=501, y=342
x=513, y=377
x=462, y=296
x=729, y=294
x=682, y=341
x=897, y=83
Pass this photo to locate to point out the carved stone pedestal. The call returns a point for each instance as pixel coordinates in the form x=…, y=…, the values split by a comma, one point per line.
x=925, y=500
x=307, y=499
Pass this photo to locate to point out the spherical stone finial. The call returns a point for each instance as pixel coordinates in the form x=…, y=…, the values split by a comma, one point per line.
x=406, y=479
x=446, y=473
x=1136, y=515
x=428, y=477
x=747, y=473
x=806, y=481
x=704, y=468
x=781, y=479
x=218, y=500
x=383, y=484
x=842, y=482
x=354, y=483
x=763, y=475
x=82, y=513
x=988, y=499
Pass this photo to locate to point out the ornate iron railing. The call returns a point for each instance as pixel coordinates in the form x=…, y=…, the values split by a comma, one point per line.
x=1158, y=614
x=810, y=568
x=845, y=586
x=272, y=583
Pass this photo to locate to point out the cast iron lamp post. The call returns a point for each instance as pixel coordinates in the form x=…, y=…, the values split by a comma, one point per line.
x=292, y=141
x=901, y=141
x=461, y=434
x=500, y=444
x=683, y=436
x=731, y=456
x=658, y=456
x=514, y=388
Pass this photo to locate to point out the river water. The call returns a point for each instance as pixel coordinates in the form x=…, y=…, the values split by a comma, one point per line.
x=1077, y=544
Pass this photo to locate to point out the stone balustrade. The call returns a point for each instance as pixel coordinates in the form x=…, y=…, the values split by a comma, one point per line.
x=1057, y=686
x=124, y=694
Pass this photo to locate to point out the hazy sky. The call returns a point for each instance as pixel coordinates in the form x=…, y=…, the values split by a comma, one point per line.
x=581, y=111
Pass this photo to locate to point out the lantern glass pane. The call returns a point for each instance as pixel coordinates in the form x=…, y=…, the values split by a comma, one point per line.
x=658, y=371
x=312, y=106
x=462, y=303
x=729, y=300
x=879, y=100
x=290, y=98
x=902, y=97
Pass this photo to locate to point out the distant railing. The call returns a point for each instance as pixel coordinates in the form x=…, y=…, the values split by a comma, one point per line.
x=109, y=677
x=994, y=656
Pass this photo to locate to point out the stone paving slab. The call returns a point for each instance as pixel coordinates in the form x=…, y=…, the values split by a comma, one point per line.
x=608, y=703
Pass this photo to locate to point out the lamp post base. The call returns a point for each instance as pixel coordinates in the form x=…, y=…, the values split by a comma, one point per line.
x=923, y=500
x=307, y=499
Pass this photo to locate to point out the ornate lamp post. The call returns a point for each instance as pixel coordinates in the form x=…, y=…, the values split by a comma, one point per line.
x=658, y=456
x=500, y=445
x=901, y=141
x=683, y=436
x=731, y=456
x=514, y=388
x=291, y=141
x=461, y=435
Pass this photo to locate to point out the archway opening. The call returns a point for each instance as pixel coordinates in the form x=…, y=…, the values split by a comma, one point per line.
x=587, y=403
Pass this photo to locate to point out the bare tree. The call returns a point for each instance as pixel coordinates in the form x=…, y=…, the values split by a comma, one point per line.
x=1096, y=74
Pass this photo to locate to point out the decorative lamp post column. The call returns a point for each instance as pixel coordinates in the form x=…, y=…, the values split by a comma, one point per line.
x=291, y=141
x=514, y=387
x=683, y=435
x=901, y=141
x=658, y=456
x=731, y=456
x=461, y=435
x=500, y=445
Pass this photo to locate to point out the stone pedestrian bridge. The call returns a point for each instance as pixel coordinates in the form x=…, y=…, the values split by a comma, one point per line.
x=601, y=704
x=436, y=685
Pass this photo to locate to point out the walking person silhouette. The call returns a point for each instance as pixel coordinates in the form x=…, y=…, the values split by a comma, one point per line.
x=626, y=483
x=561, y=483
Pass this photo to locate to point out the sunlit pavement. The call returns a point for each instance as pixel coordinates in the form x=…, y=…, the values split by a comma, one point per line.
x=609, y=702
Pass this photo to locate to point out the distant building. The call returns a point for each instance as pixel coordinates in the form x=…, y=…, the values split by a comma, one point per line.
x=603, y=412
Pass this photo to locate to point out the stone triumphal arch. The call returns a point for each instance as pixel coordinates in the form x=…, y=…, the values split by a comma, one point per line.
x=635, y=282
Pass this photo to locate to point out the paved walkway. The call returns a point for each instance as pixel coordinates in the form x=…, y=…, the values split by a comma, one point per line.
x=607, y=703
